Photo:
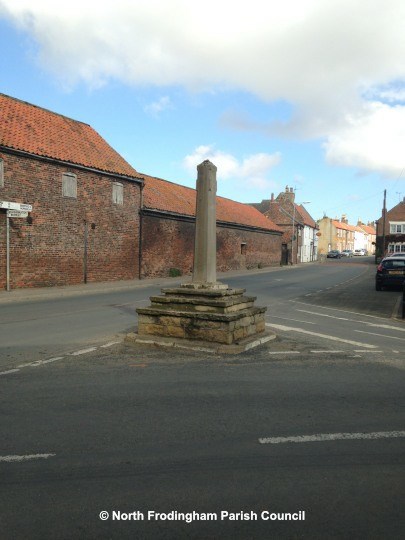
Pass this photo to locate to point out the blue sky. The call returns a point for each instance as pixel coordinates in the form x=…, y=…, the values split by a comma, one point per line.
x=309, y=94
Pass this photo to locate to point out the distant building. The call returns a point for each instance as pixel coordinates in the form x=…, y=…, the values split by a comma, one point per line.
x=369, y=237
x=340, y=234
x=300, y=240
x=391, y=239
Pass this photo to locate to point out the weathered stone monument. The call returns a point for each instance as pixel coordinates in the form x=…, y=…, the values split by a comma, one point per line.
x=203, y=314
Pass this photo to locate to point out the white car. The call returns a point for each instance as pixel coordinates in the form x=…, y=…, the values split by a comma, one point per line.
x=359, y=252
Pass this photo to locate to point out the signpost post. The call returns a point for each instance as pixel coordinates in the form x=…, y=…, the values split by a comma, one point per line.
x=14, y=210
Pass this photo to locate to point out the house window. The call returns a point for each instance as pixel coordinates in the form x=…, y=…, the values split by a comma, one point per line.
x=1, y=173
x=396, y=228
x=69, y=185
x=118, y=193
x=243, y=248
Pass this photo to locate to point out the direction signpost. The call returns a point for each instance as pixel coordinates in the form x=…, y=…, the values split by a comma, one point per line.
x=14, y=210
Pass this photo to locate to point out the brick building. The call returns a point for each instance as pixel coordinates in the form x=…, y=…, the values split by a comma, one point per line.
x=84, y=224
x=336, y=234
x=300, y=239
x=393, y=241
x=245, y=238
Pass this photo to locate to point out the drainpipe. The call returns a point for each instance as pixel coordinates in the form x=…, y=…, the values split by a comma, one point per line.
x=140, y=234
x=85, y=252
x=7, y=253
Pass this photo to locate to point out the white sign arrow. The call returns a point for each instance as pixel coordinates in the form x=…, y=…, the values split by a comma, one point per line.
x=16, y=206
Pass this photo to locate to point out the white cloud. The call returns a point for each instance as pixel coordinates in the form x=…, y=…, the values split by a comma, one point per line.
x=321, y=57
x=371, y=140
x=252, y=171
x=156, y=107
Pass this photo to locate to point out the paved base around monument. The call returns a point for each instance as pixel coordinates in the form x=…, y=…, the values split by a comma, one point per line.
x=202, y=346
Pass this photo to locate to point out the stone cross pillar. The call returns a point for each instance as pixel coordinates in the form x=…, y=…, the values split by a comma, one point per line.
x=205, y=246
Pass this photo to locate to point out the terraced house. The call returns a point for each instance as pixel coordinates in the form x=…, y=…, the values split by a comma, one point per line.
x=89, y=220
x=336, y=234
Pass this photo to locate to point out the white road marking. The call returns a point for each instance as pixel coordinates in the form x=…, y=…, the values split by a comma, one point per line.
x=382, y=335
x=10, y=459
x=321, y=437
x=342, y=310
x=323, y=315
x=284, y=352
x=110, y=344
x=9, y=371
x=325, y=336
x=362, y=350
x=287, y=319
x=83, y=351
x=329, y=352
x=40, y=362
x=390, y=327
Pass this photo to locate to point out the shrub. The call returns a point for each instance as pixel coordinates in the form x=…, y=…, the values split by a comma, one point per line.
x=174, y=272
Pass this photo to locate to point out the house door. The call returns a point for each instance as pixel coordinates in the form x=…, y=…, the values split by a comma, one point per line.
x=284, y=254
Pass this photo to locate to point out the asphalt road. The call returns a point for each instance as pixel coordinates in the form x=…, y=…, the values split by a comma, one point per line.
x=105, y=427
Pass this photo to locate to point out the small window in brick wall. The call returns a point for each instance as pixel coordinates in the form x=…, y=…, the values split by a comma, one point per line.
x=243, y=249
x=1, y=173
x=69, y=185
x=118, y=193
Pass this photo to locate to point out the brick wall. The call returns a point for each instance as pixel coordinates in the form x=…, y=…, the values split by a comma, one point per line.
x=169, y=243
x=51, y=250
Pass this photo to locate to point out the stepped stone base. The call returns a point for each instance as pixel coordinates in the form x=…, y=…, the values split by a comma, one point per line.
x=209, y=315
x=201, y=346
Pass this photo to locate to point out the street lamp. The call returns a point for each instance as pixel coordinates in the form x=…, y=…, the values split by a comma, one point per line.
x=293, y=235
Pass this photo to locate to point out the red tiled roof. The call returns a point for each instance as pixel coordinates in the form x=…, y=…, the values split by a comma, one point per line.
x=367, y=229
x=166, y=196
x=344, y=226
x=306, y=217
x=44, y=133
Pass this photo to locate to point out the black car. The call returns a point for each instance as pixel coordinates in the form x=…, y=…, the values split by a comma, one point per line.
x=334, y=254
x=390, y=271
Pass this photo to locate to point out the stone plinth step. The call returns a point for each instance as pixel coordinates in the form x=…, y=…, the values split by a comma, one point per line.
x=202, y=293
x=210, y=305
x=201, y=345
x=222, y=317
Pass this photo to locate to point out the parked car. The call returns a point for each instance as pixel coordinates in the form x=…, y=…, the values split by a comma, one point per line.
x=334, y=254
x=347, y=253
x=390, y=271
x=400, y=254
x=360, y=252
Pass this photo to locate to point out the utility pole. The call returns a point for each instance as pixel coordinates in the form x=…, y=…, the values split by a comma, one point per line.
x=383, y=232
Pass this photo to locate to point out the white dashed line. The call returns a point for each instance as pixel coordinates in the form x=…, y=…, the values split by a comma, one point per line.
x=382, y=335
x=328, y=352
x=110, y=344
x=10, y=459
x=9, y=371
x=83, y=351
x=321, y=437
x=56, y=358
x=284, y=352
x=362, y=350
